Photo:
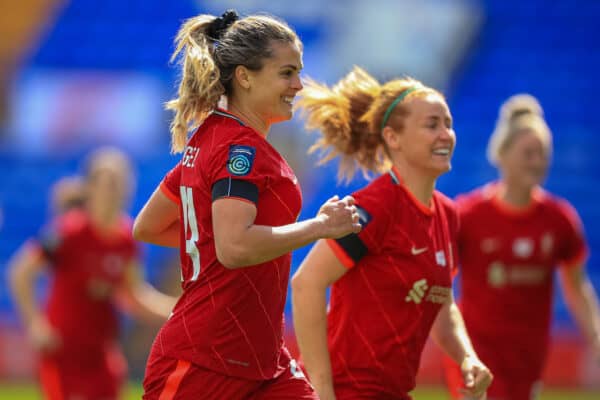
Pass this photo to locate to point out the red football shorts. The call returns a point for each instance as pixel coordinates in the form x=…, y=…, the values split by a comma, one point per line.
x=63, y=376
x=171, y=379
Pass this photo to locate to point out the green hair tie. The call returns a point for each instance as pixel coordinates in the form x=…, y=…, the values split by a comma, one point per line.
x=398, y=99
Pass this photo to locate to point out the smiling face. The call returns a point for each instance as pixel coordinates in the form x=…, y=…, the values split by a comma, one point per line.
x=427, y=139
x=272, y=89
x=524, y=161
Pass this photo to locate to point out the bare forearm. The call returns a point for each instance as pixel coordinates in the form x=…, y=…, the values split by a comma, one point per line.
x=310, y=324
x=450, y=334
x=169, y=237
x=261, y=243
x=583, y=304
x=22, y=283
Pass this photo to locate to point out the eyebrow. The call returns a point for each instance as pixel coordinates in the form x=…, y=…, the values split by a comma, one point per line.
x=292, y=66
x=437, y=118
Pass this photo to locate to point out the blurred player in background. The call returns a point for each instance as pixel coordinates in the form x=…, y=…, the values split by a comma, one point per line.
x=390, y=283
x=92, y=258
x=513, y=235
x=231, y=205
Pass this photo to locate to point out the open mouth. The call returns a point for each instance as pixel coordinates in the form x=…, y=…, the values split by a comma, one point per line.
x=442, y=152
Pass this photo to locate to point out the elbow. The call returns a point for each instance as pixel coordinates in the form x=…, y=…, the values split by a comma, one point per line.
x=140, y=231
x=297, y=283
x=233, y=257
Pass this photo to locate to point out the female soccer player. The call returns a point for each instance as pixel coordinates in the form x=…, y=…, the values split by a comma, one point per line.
x=231, y=205
x=513, y=235
x=91, y=256
x=391, y=283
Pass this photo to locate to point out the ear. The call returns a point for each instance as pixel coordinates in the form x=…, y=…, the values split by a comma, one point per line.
x=242, y=76
x=392, y=138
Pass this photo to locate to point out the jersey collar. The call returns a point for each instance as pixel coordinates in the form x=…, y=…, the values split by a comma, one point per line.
x=227, y=114
x=397, y=179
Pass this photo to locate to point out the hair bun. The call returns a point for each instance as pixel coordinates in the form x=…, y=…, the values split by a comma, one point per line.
x=520, y=104
x=216, y=28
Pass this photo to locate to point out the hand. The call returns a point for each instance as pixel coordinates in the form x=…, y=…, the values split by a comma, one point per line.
x=42, y=335
x=477, y=378
x=339, y=217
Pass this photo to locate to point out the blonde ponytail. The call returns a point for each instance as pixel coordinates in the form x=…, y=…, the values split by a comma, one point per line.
x=521, y=112
x=337, y=112
x=200, y=88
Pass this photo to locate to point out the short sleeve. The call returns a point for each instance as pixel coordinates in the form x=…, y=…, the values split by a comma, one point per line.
x=241, y=167
x=454, y=231
x=171, y=182
x=374, y=218
x=49, y=239
x=462, y=209
x=573, y=250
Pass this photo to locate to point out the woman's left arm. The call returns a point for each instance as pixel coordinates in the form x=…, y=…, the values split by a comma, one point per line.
x=582, y=302
x=450, y=334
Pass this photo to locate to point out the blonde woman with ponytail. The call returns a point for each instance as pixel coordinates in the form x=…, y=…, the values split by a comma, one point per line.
x=231, y=205
x=513, y=236
x=390, y=283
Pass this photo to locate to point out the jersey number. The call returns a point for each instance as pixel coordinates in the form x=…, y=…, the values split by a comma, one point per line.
x=190, y=224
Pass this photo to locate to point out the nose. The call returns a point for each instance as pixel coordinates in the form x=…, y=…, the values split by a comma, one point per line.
x=297, y=83
x=447, y=133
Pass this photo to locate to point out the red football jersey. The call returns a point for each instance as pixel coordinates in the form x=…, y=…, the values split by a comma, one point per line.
x=507, y=262
x=87, y=266
x=230, y=320
x=381, y=311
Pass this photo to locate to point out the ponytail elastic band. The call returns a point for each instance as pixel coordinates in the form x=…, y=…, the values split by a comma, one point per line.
x=398, y=99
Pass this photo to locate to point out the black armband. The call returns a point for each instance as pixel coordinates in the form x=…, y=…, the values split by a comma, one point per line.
x=353, y=246
x=228, y=187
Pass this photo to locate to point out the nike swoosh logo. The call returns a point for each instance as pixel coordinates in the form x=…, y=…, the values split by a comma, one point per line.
x=415, y=252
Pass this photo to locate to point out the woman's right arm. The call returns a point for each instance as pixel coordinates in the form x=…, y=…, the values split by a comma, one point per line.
x=158, y=221
x=319, y=269
x=240, y=243
x=24, y=268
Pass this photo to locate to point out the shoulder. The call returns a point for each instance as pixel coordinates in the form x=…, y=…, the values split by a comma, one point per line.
x=558, y=206
x=475, y=199
x=444, y=200
x=72, y=222
x=377, y=193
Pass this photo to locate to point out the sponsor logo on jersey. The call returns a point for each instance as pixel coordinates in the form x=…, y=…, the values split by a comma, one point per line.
x=500, y=275
x=240, y=159
x=436, y=294
x=417, y=292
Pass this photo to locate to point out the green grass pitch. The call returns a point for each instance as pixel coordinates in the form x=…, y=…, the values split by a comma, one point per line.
x=26, y=391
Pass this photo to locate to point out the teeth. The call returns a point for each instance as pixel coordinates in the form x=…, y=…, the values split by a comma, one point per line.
x=443, y=152
x=288, y=100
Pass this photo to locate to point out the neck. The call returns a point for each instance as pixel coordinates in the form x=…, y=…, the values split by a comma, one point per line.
x=418, y=183
x=250, y=117
x=103, y=218
x=514, y=195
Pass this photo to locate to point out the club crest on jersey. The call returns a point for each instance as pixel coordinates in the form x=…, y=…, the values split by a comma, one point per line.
x=240, y=159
